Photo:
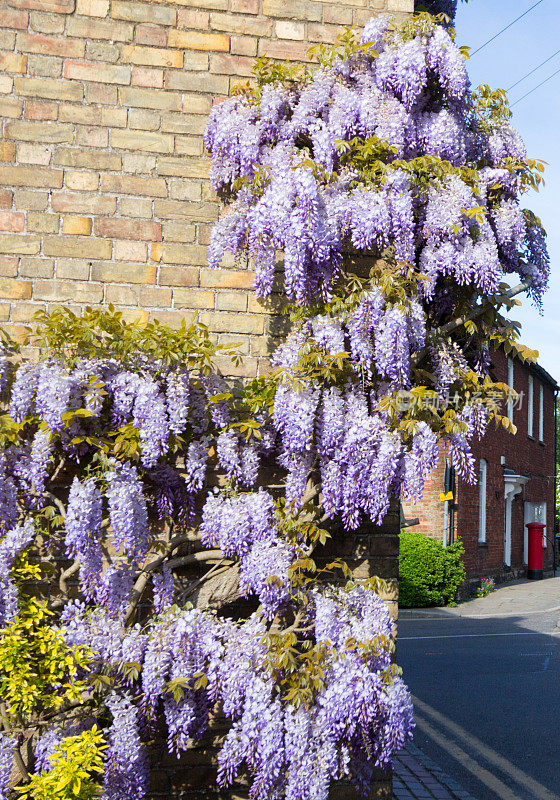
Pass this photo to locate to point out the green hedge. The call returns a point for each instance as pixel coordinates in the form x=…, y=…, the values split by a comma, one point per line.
x=430, y=573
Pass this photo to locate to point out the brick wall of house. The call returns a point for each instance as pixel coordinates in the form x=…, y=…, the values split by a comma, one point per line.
x=523, y=454
x=429, y=509
x=104, y=196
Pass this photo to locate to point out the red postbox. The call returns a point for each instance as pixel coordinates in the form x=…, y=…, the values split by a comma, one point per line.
x=535, y=565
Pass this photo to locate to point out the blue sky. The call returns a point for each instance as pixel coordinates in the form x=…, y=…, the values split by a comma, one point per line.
x=537, y=118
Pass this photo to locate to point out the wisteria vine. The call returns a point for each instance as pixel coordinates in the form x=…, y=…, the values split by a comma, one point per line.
x=177, y=519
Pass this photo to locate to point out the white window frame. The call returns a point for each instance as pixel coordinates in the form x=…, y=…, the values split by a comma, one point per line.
x=482, y=499
x=510, y=375
x=530, y=411
x=541, y=413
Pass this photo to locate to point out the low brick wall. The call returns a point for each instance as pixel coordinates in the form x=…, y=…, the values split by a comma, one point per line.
x=193, y=777
x=370, y=550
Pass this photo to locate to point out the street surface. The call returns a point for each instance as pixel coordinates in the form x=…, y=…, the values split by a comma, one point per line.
x=487, y=691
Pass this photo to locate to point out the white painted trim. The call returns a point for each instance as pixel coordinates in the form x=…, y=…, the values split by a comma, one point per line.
x=482, y=499
x=510, y=377
x=541, y=413
x=530, y=411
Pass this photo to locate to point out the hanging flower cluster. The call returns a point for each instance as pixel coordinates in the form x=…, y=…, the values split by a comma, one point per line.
x=358, y=719
x=245, y=527
x=11, y=545
x=110, y=520
x=404, y=100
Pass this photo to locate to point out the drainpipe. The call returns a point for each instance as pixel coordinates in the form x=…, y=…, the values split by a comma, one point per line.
x=555, y=524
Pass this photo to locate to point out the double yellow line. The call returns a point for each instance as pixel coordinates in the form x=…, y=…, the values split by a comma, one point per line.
x=438, y=729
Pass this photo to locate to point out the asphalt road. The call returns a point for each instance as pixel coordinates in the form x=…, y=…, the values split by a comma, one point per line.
x=487, y=700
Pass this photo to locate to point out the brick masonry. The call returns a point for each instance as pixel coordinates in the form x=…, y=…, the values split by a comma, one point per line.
x=523, y=454
x=104, y=193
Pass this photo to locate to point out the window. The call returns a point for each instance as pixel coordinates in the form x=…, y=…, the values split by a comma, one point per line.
x=510, y=384
x=483, y=468
x=541, y=413
x=530, y=406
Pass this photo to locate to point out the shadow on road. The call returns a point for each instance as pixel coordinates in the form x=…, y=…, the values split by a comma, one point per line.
x=487, y=700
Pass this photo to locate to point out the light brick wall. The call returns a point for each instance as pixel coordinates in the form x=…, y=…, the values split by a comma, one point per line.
x=104, y=196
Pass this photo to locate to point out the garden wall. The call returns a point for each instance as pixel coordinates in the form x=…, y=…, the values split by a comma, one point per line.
x=104, y=196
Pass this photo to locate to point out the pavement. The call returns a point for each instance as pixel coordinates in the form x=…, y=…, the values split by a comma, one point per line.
x=417, y=777
x=485, y=679
x=517, y=598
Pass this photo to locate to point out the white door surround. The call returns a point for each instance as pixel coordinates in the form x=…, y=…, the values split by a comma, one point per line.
x=513, y=485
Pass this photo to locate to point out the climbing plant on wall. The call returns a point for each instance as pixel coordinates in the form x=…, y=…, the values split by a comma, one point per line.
x=160, y=525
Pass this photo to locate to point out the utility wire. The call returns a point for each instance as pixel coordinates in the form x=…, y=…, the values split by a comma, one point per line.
x=513, y=85
x=506, y=28
x=538, y=86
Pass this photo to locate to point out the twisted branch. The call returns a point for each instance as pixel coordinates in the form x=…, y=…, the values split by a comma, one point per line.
x=149, y=569
x=217, y=569
x=453, y=324
x=58, y=503
x=63, y=580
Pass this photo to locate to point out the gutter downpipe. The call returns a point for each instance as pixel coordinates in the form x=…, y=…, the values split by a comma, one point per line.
x=555, y=524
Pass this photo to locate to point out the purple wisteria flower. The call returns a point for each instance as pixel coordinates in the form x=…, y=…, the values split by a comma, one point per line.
x=14, y=542
x=177, y=397
x=46, y=744
x=113, y=592
x=359, y=718
x=41, y=450
x=126, y=772
x=23, y=391
x=414, y=96
x=8, y=745
x=195, y=464
x=83, y=532
x=294, y=415
x=264, y=572
x=128, y=511
x=54, y=390
x=8, y=497
x=164, y=589
x=95, y=629
x=234, y=524
x=150, y=417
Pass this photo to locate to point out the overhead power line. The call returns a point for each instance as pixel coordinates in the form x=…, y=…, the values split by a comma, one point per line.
x=506, y=28
x=538, y=86
x=513, y=85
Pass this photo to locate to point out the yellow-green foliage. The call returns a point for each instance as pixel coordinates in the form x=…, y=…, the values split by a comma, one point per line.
x=104, y=333
x=77, y=766
x=38, y=670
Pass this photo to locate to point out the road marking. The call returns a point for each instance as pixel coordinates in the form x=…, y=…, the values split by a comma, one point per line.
x=538, y=791
x=469, y=636
x=521, y=614
x=448, y=616
x=479, y=772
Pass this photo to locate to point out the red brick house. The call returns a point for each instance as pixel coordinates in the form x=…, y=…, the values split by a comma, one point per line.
x=516, y=482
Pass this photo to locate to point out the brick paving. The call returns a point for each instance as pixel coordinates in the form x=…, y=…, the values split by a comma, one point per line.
x=417, y=777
